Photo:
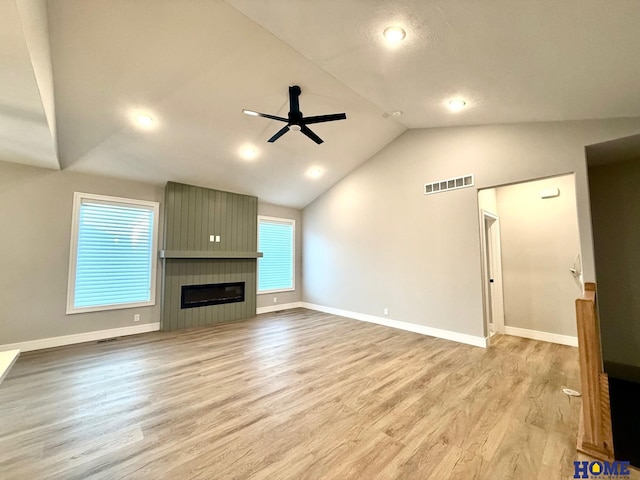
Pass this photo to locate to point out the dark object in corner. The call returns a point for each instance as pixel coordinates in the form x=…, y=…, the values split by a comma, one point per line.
x=105, y=340
x=625, y=419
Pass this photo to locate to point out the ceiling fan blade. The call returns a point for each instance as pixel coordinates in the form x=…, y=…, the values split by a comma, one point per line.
x=265, y=115
x=324, y=118
x=294, y=93
x=309, y=133
x=280, y=132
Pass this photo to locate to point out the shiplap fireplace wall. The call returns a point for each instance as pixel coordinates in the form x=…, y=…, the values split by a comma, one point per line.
x=210, y=237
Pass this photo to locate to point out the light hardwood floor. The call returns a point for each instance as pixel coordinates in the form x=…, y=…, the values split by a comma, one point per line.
x=291, y=395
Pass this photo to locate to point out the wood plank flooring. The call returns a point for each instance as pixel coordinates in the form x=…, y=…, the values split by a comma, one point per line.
x=291, y=395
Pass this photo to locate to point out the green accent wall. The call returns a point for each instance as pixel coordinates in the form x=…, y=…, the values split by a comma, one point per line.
x=192, y=214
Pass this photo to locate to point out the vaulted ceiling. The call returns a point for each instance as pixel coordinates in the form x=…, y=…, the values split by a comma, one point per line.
x=76, y=72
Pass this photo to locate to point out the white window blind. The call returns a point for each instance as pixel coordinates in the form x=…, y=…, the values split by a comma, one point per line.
x=113, y=253
x=276, y=240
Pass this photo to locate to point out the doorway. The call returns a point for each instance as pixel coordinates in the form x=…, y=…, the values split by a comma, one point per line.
x=530, y=249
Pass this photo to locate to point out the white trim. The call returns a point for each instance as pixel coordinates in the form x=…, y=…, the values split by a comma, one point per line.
x=542, y=336
x=81, y=337
x=492, y=331
x=411, y=327
x=277, y=308
x=7, y=359
x=491, y=252
x=277, y=290
x=78, y=197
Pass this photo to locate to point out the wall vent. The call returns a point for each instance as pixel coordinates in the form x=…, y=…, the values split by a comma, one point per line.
x=448, y=184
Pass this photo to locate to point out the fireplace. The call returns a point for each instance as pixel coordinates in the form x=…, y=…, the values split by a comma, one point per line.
x=211, y=294
x=209, y=257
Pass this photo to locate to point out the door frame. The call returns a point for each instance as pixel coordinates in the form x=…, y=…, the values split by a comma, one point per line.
x=493, y=295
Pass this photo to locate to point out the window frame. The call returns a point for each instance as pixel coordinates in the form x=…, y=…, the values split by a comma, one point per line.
x=78, y=198
x=286, y=221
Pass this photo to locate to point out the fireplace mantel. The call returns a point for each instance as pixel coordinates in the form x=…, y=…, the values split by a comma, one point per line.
x=207, y=254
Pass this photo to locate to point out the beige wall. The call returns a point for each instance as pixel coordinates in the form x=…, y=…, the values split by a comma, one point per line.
x=35, y=211
x=540, y=241
x=375, y=241
x=615, y=209
x=266, y=300
x=488, y=201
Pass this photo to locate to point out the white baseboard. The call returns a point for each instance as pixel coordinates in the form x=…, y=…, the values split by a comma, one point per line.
x=80, y=337
x=411, y=327
x=278, y=307
x=542, y=336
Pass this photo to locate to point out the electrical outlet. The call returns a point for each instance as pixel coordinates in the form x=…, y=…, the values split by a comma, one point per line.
x=386, y=311
x=275, y=299
x=136, y=317
x=212, y=238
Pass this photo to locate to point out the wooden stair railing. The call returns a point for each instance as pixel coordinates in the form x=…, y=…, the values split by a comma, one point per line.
x=594, y=436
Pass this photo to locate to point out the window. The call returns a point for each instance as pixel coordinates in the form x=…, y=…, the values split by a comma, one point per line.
x=113, y=253
x=276, y=240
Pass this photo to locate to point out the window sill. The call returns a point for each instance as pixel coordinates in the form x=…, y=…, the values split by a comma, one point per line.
x=280, y=290
x=102, y=308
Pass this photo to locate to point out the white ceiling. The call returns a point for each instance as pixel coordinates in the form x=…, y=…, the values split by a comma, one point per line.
x=195, y=64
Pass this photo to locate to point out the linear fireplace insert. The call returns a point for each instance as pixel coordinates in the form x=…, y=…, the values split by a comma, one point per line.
x=211, y=294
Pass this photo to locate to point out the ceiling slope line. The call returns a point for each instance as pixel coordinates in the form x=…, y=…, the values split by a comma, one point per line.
x=34, y=21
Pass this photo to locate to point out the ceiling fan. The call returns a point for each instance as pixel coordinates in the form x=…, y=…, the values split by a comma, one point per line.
x=296, y=121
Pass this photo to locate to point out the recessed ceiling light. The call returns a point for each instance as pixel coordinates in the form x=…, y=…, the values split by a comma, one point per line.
x=394, y=34
x=397, y=113
x=144, y=120
x=314, y=172
x=457, y=104
x=248, y=153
